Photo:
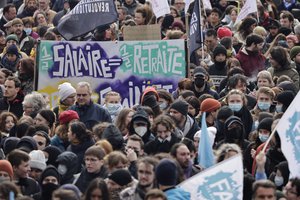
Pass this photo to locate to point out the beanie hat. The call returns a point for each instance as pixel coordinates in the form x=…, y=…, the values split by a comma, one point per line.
x=295, y=50
x=150, y=91
x=10, y=144
x=293, y=38
x=220, y=49
x=6, y=167
x=65, y=90
x=212, y=131
x=224, y=32
x=288, y=86
x=12, y=37
x=50, y=171
x=121, y=176
x=166, y=172
x=53, y=153
x=13, y=49
x=67, y=116
x=27, y=144
x=224, y=113
x=231, y=120
x=140, y=115
x=49, y=116
x=72, y=188
x=200, y=71
x=17, y=21
x=150, y=101
x=114, y=136
x=266, y=124
x=286, y=98
x=37, y=160
x=181, y=106
x=179, y=25
x=209, y=105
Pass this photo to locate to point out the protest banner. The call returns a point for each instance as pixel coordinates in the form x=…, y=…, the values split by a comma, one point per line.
x=288, y=129
x=142, y=32
x=124, y=67
x=249, y=7
x=160, y=7
x=222, y=181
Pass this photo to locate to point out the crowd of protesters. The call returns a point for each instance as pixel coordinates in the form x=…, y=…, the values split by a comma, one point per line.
x=244, y=77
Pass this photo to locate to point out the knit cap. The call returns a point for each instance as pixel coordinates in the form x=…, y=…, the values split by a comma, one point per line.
x=6, y=167
x=13, y=49
x=121, y=176
x=49, y=116
x=12, y=37
x=209, y=105
x=10, y=144
x=114, y=136
x=67, y=116
x=65, y=90
x=286, y=98
x=73, y=188
x=266, y=124
x=181, y=106
x=224, y=32
x=295, y=50
x=293, y=38
x=37, y=160
x=50, y=171
x=27, y=144
x=220, y=49
x=166, y=172
x=212, y=131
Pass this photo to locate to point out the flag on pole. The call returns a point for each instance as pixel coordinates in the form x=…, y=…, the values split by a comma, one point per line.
x=207, y=4
x=187, y=5
x=195, y=29
x=288, y=129
x=205, y=152
x=86, y=16
x=160, y=7
x=222, y=181
x=249, y=7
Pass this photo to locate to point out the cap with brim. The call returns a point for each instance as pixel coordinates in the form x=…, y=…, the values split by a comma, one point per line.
x=17, y=21
x=8, y=24
x=199, y=71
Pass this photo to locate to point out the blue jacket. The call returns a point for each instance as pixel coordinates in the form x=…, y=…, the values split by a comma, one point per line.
x=91, y=114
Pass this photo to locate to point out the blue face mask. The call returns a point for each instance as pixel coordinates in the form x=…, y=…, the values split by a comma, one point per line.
x=163, y=105
x=278, y=180
x=263, y=105
x=279, y=108
x=263, y=138
x=235, y=106
x=28, y=31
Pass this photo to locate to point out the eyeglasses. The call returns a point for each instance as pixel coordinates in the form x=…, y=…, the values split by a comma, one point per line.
x=81, y=95
x=91, y=160
x=27, y=107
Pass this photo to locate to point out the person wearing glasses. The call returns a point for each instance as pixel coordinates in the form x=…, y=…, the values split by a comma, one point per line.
x=292, y=189
x=90, y=113
x=94, y=167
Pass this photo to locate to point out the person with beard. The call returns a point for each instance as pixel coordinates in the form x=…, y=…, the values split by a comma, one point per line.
x=49, y=182
x=250, y=56
x=12, y=98
x=26, y=42
x=30, y=6
x=186, y=125
x=295, y=56
x=182, y=155
x=94, y=167
x=218, y=70
x=26, y=75
x=237, y=102
x=20, y=163
x=9, y=13
x=163, y=127
x=200, y=83
x=146, y=180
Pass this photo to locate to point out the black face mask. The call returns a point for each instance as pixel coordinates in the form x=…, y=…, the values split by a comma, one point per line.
x=48, y=189
x=235, y=133
x=199, y=82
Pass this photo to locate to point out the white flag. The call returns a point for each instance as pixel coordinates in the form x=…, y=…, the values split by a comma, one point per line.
x=250, y=6
x=288, y=129
x=207, y=4
x=222, y=181
x=187, y=5
x=160, y=7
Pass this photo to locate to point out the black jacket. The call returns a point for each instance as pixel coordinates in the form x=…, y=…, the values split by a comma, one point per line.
x=155, y=146
x=15, y=106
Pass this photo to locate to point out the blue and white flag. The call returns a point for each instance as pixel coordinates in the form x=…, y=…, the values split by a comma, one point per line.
x=86, y=16
x=205, y=152
x=288, y=129
x=222, y=181
x=195, y=29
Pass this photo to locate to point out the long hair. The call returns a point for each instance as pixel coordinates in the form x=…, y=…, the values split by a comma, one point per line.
x=97, y=183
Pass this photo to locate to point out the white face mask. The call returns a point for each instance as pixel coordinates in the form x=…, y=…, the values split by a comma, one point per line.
x=140, y=130
x=278, y=180
x=62, y=169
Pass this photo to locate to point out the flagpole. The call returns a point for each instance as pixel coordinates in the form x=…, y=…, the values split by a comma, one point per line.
x=269, y=139
x=187, y=30
x=201, y=29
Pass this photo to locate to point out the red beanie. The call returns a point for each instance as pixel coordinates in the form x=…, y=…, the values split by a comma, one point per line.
x=67, y=116
x=224, y=32
x=6, y=167
x=209, y=105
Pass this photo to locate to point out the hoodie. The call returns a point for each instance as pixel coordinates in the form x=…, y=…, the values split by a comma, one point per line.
x=70, y=160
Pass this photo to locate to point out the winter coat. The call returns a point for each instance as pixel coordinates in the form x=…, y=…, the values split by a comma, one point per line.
x=15, y=106
x=289, y=71
x=70, y=160
x=157, y=146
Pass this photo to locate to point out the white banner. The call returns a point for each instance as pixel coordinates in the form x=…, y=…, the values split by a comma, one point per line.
x=288, y=129
x=222, y=181
x=160, y=7
x=207, y=4
x=249, y=7
x=187, y=5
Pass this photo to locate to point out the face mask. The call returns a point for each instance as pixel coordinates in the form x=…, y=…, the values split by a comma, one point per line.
x=2, y=179
x=62, y=169
x=263, y=138
x=199, y=82
x=48, y=189
x=27, y=30
x=141, y=130
x=163, y=105
x=279, y=108
x=113, y=109
x=263, y=105
x=235, y=133
x=278, y=180
x=235, y=106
